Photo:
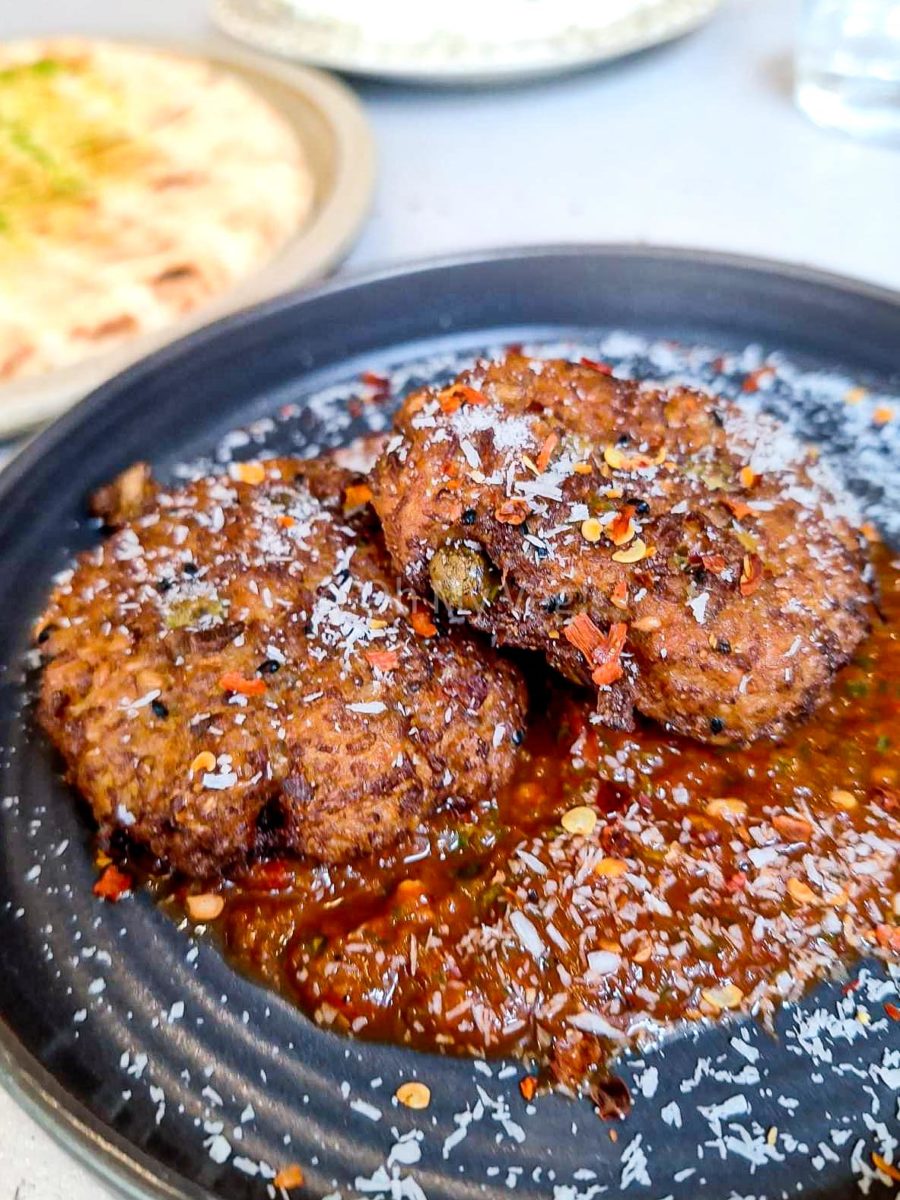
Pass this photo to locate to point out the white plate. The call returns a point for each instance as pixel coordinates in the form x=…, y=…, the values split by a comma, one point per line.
x=450, y=59
x=335, y=135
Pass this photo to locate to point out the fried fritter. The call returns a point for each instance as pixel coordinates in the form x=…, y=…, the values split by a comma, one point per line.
x=688, y=560
x=233, y=672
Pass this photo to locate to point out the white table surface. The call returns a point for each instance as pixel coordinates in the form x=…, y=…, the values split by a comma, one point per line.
x=696, y=144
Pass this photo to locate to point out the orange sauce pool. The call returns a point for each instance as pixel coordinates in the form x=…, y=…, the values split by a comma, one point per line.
x=688, y=882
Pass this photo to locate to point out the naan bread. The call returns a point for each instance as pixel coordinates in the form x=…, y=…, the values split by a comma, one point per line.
x=134, y=185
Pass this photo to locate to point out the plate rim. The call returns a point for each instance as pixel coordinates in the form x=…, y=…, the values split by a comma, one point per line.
x=786, y=269
x=117, y=1162
x=327, y=235
x=455, y=74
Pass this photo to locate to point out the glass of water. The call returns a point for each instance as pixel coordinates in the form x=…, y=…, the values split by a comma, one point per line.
x=848, y=66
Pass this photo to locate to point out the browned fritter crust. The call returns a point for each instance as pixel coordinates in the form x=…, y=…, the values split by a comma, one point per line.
x=262, y=581
x=717, y=585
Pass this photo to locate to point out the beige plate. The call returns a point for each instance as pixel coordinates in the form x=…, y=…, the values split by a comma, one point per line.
x=340, y=151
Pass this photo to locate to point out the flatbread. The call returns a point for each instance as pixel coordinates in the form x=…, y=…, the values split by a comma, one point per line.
x=134, y=185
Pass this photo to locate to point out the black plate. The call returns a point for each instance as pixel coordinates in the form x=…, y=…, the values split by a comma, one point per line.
x=146, y=1055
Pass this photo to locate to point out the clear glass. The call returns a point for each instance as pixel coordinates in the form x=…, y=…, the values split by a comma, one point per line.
x=848, y=66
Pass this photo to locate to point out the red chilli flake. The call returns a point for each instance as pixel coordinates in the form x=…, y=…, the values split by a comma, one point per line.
x=892, y=1011
x=882, y=416
x=714, y=563
x=737, y=507
x=755, y=379
x=422, y=624
x=512, y=512
x=583, y=634
x=751, y=575
x=470, y=395
x=881, y=1164
x=113, y=884
x=382, y=660
x=609, y=667
x=619, y=530
x=528, y=1086
x=602, y=651
x=542, y=462
x=451, y=399
x=619, y=596
x=289, y=1177
x=602, y=367
x=356, y=495
x=233, y=681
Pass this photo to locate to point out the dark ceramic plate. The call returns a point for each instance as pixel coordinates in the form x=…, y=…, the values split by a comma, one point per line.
x=174, y=1077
